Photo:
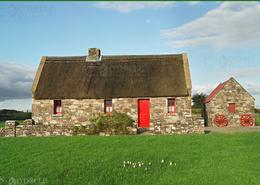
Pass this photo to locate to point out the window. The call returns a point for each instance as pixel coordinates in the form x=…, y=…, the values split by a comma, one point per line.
x=171, y=105
x=232, y=107
x=57, y=107
x=108, y=106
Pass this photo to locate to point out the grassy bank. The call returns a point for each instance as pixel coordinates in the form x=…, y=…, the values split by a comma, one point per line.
x=200, y=159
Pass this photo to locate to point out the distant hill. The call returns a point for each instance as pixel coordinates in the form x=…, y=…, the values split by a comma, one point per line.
x=6, y=114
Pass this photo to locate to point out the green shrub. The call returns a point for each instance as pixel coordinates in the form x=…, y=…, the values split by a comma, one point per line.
x=116, y=123
x=196, y=110
x=257, y=111
x=87, y=129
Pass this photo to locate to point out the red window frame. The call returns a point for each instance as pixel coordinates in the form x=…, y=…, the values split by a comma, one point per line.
x=108, y=108
x=171, y=105
x=57, y=108
x=232, y=107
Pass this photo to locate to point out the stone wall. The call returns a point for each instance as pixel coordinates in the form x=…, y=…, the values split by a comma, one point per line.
x=80, y=112
x=232, y=92
x=12, y=129
x=73, y=111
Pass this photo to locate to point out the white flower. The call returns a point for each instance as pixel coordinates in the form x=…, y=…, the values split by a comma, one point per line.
x=162, y=161
x=145, y=169
x=170, y=163
x=140, y=165
x=149, y=163
x=175, y=164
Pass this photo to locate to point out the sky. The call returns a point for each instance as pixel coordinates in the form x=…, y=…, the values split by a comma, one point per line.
x=222, y=39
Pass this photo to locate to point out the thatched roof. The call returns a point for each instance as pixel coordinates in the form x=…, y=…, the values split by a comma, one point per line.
x=112, y=77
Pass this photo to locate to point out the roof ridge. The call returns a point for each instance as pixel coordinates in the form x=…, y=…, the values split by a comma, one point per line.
x=215, y=91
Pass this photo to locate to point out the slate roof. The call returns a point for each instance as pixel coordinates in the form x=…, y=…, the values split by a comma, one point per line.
x=213, y=94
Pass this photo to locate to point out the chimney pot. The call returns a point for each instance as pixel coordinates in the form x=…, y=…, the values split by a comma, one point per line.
x=94, y=54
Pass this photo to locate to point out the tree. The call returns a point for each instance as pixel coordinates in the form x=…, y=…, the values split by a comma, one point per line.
x=198, y=99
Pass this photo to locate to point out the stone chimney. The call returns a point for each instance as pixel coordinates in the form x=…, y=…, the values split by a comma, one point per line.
x=94, y=54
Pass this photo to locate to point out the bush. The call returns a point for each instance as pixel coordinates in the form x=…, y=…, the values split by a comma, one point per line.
x=87, y=129
x=196, y=111
x=116, y=123
x=257, y=111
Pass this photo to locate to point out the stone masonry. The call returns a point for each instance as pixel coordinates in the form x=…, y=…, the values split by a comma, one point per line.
x=232, y=92
x=80, y=112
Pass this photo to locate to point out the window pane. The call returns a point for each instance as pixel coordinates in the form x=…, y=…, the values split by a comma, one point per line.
x=108, y=106
x=108, y=103
x=57, y=107
x=171, y=105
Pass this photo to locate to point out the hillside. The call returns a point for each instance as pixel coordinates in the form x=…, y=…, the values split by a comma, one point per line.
x=6, y=114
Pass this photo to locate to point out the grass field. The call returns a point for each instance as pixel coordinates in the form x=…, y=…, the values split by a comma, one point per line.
x=257, y=120
x=2, y=124
x=200, y=159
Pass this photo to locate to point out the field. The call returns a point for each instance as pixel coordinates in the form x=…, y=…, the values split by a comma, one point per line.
x=178, y=159
x=2, y=124
x=257, y=120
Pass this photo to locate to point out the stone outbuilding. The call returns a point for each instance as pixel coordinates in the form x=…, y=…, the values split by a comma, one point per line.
x=229, y=104
x=155, y=90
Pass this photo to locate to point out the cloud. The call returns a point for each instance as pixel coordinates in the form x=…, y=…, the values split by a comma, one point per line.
x=250, y=72
x=253, y=87
x=206, y=89
x=239, y=73
x=15, y=81
x=126, y=7
x=229, y=25
x=192, y=3
x=17, y=104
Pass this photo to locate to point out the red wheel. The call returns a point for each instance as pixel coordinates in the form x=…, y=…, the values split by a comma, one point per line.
x=247, y=120
x=221, y=120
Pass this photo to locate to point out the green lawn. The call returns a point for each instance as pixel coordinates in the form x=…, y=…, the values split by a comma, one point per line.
x=220, y=159
x=257, y=120
x=2, y=124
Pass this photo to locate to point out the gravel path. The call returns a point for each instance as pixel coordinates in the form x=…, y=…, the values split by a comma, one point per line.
x=232, y=129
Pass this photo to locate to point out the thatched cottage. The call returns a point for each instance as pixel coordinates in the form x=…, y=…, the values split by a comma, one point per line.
x=155, y=90
x=229, y=104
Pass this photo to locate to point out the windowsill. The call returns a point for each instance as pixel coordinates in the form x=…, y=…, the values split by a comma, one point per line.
x=57, y=115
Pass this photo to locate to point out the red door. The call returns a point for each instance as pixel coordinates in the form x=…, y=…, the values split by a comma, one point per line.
x=144, y=113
